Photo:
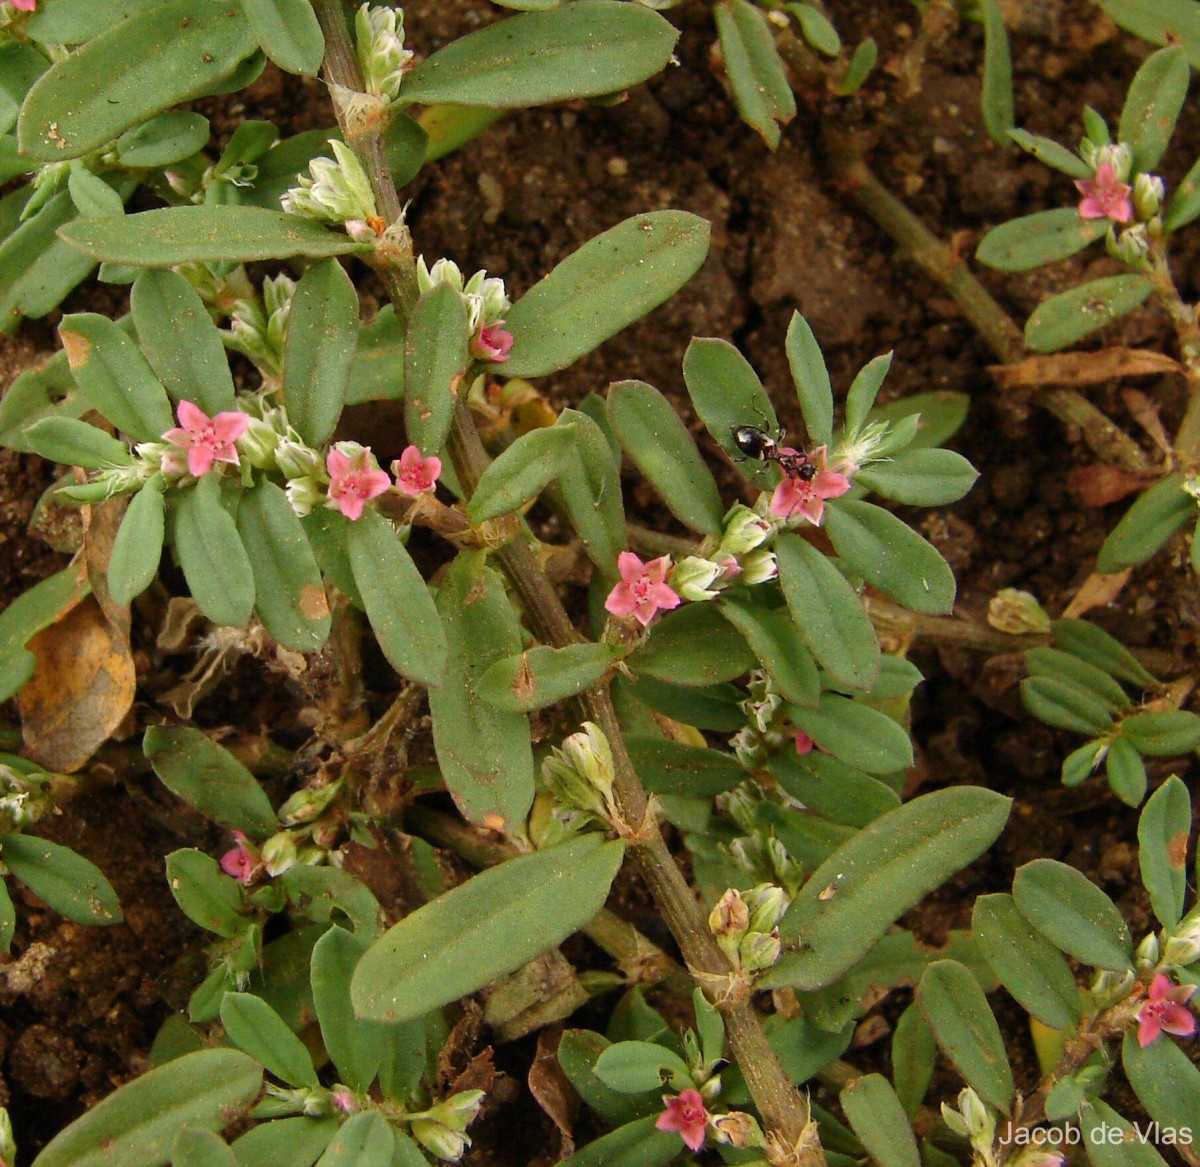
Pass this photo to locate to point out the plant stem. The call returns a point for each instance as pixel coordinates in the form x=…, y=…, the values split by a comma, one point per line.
x=1187, y=330
x=792, y=1136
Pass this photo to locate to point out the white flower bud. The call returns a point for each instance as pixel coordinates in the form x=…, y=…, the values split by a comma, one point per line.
x=304, y=494
x=1148, y=953
x=759, y=950
x=279, y=853
x=1148, y=193
x=1119, y=156
x=767, y=904
x=758, y=567
x=333, y=191
x=693, y=578
x=382, y=56
x=744, y=531
x=308, y=804
x=1183, y=947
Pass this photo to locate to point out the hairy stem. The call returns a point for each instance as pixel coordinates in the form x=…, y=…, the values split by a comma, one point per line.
x=785, y=1114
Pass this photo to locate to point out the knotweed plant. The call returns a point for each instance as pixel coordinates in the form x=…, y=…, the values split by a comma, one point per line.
x=728, y=682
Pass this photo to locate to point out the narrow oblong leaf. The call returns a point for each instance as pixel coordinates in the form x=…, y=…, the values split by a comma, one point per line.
x=1034, y=240
x=76, y=443
x=1066, y=706
x=1152, y=106
x=572, y=51
x=1051, y=153
x=694, y=645
x=287, y=1140
x=922, y=477
x=761, y=89
x=68, y=882
x=877, y=1116
x=658, y=443
x=1070, y=316
x=1164, y=734
x=484, y=928
x=1026, y=963
x=398, y=604
x=322, y=337
x=435, y=353
x=137, y=549
x=811, y=379
x=205, y=234
x=356, y=1047
x=210, y=551
x=611, y=281
x=364, y=1140
x=138, y=1123
x=1163, y=832
x=205, y=894
x=1145, y=528
x=200, y=1148
x=1085, y=640
x=914, y=1059
x=179, y=339
x=1126, y=772
x=258, y=1030
x=1053, y=662
x=522, y=472
x=833, y=789
x=289, y=595
x=775, y=639
x=1111, y=1140
x=92, y=96
x=544, y=676
x=958, y=1013
x=169, y=137
x=288, y=32
x=210, y=779
x=856, y=733
x=589, y=491
x=667, y=767
x=635, y=1067
x=877, y=875
x=996, y=101
x=1073, y=913
x=636, y=1144
x=1166, y=1080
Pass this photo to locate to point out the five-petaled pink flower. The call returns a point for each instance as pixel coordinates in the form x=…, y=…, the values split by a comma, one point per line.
x=243, y=862
x=1105, y=196
x=492, y=343
x=353, y=480
x=207, y=439
x=416, y=474
x=796, y=495
x=686, y=1114
x=643, y=588
x=804, y=744
x=1165, y=1011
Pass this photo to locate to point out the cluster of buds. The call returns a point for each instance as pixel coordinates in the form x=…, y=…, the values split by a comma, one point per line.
x=1131, y=202
x=337, y=191
x=739, y=557
x=24, y=798
x=310, y=1101
x=579, y=775
x=758, y=851
x=746, y=926
x=258, y=328
x=382, y=57
x=973, y=1120
x=442, y=1129
x=486, y=301
x=766, y=728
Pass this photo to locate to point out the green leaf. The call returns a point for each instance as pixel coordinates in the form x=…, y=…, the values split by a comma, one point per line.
x=775, y=639
x=958, y=1013
x=1051, y=153
x=923, y=478
x=693, y=645
x=669, y=767
x=163, y=140
x=485, y=755
x=210, y=779
x=1167, y=1082
x=726, y=393
x=816, y=29
x=1065, y=706
x=91, y=194
x=997, y=98
x=288, y=32
x=589, y=490
x=878, y=1118
x=178, y=337
x=573, y=51
x=1183, y=204
x=294, y=1141
x=659, y=444
x=378, y=370
x=544, y=676
x=1152, y=107
x=72, y=22
x=611, y=281
x=1110, y=1140
x=1145, y=528
x=365, y=1140
x=76, y=443
x=27, y=615
x=321, y=338
x=1163, y=734
x=578, y=1052
x=713, y=707
x=637, y=1144
x=487, y=927
x=1070, y=316
x=66, y=881
x=205, y=894
x=833, y=789
x=289, y=593
x=8, y=919
x=860, y=398
x=1034, y=240
x=356, y=1047
x=210, y=551
x=1073, y=913
x=1084, y=640
x=828, y=613
x=761, y=89
x=137, y=549
x=136, y=1126
x=1073, y=670
x=435, y=353
x=92, y=96
x=635, y=1067
x=941, y=415
x=1163, y=831
x=398, y=605
x=856, y=733
x=207, y=234
x=114, y=376
x=200, y=1148
x=891, y=556
x=811, y=379
x=914, y=1059
x=254, y=1027
x=859, y=69
x=877, y=875
x=522, y=472
x=1126, y=773
x=37, y=269
x=1026, y=963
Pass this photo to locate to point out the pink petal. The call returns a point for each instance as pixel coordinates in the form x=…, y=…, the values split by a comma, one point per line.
x=1160, y=989
x=1148, y=1030
x=338, y=464
x=658, y=569
x=433, y=469
x=664, y=596
x=1178, y=1020
x=630, y=567
x=804, y=744
x=785, y=498
x=621, y=601
x=375, y=482
x=830, y=484
x=230, y=426
x=813, y=509
x=693, y=1136
x=667, y=1121
x=411, y=459
x=192, y=417
x=25, y=5
x=227, y=454
x=200, y=460
x=178, y=437
x=351, y=506
x=644, y=610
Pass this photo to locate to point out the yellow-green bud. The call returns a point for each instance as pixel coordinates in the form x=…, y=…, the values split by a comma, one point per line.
x=1017, y=613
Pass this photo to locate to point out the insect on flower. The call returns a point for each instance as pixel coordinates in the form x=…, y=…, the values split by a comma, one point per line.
x=756, y=443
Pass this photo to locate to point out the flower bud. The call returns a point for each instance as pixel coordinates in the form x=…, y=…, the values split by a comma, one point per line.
x=439, y=1140
x=759, y=950
x=766, y=904
x=1111, y=987
x=258, y=444
x=1017, y=613
x=693, y=578
x=744, y=531
x=1148, y=193
x=580, y=772
x=1131, y=247
x=1183, y=947
x=739, y=1130
x=954, y=1120
x=379, y=32
x=344, y=1100
x=1119, y=156
x=304, y=494
x=308, y=804
x=332, y=191
x=749, y=748
x=295, y=459
x=980, y=1122
x=729, y=921
x=1148, y=953
x=758, y=567
x=279, y=853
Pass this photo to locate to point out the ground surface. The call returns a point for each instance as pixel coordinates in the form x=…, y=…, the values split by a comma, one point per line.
x=80, y=1007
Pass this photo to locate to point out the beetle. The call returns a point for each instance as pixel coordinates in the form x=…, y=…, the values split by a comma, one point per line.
x=756, y=443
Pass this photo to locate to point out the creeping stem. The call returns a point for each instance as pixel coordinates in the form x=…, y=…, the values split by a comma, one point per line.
x=791, y=1133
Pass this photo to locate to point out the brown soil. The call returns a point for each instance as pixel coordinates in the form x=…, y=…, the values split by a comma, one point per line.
x=516, y=201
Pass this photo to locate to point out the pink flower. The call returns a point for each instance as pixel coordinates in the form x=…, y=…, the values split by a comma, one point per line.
x=353, y=480
x=1105, y=197
x=643, y=588
x=686, y=1114
x=414, y=473
x=493, y=343
x=25, y=5
x=243, y=862
x=343, y=1100
x=1165, y=1011
x=207, y=439
x=807, y=496
x=804, y=744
